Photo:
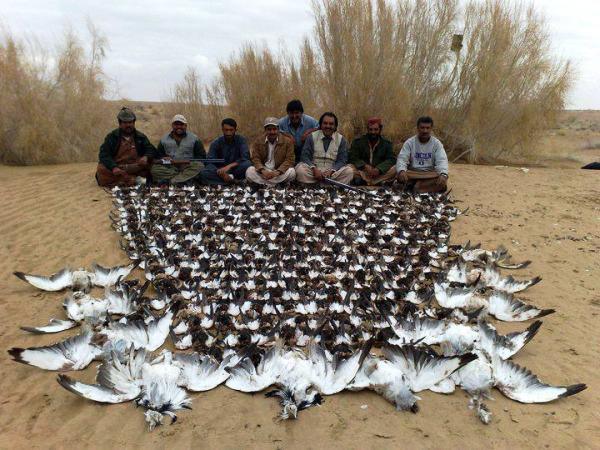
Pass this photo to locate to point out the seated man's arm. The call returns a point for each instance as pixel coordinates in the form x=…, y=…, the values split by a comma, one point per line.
x=290, y=157
x=199, y=152
x=441, y=160
x=354, y=155
x=105, y=156
x=389, y=161
x=160, y=151
x=307, y=156
x=342, y=155
x=255, y=156
x=148, y=150
x=244, y=152
x=403, y=159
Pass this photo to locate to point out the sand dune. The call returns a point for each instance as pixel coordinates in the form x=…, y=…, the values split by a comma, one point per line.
x=53, y=216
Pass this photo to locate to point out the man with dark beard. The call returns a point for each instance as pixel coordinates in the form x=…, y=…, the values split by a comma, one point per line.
x=124, y=154
x=175, y=149
x=232, y=148
x=372, y=156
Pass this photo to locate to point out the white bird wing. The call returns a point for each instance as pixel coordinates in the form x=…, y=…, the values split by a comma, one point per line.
x=115, y=382
x=199, y=373
x=245, y=377
x=455, y=297
x=519, y=384
x=494, y=279
x=503, y=306
x=95, y=392
x=133, y=332
x=424, y=370
x=109, y=276
x=119, y=302
x=74, y=353
x=505, y=346
x=56, y=282
x=158, y=330
x=54, y=326
x=332, y=377
x=426, y=331
x=446, y=386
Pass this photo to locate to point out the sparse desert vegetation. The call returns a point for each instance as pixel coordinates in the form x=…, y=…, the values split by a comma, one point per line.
x=496, y=92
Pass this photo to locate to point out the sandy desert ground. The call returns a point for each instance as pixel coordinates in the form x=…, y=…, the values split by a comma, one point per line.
x=54, y=216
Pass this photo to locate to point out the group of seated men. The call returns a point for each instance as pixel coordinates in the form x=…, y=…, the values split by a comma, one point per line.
x=295, y=147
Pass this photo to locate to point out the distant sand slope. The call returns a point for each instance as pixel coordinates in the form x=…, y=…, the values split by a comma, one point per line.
x=52, y=216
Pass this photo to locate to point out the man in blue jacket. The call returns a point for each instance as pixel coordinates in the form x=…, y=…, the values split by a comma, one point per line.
x=231, y=147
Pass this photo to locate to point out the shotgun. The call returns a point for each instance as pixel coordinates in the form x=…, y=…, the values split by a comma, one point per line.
x=168, y=162
x=348, y=187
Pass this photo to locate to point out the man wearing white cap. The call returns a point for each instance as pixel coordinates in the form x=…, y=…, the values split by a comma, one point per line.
x=177, y=148
x=272, y=157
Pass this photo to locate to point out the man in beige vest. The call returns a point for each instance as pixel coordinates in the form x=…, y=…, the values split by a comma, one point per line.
x=272, y=157
x=325, y=154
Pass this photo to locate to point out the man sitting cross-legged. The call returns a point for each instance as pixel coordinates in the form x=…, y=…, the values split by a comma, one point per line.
x=177, y=148
x=272, y=157
x=422, y=163
x=325, y=154
x=233, y=149
x=372, y=156
x=124, y=154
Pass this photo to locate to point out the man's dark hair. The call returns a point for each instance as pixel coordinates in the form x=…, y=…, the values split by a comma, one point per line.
x=294, y=105
x=328, y=114
x=229, y=121
x=424, y=119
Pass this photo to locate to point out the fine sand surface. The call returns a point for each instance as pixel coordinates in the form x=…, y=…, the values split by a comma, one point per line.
x=57, y=216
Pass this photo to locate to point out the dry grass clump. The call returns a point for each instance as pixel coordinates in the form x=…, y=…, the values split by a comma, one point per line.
x=197, y=103
x=52, y=103
x=491, y=98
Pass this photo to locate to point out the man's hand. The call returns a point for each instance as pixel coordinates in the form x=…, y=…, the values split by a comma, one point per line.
x=268, y=174
x=223, y=172
x=328, y=173
x=119, y=172
x=403, y=177
x=318, y=174
x=373, y=172
x=441, y=181
x=143, y=161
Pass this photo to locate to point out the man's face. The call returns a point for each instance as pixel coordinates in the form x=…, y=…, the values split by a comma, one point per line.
x=328, y=126
x=179, y=128
x=295, y=117
x=271, y=132
x=424, y=131
x=374, y=131
x=127, y=127
x=228, y=131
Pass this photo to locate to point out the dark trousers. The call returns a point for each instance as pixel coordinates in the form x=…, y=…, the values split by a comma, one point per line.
x=209, y=173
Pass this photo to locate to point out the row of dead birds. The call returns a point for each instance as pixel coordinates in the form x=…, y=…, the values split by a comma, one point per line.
x=427, y=311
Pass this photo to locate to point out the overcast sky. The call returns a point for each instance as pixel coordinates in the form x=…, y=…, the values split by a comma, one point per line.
x=153, y=41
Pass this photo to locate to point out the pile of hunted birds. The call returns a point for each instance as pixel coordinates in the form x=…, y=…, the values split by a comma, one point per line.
x=308, y=292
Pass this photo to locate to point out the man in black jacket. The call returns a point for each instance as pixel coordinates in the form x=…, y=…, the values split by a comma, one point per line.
x=124, y=154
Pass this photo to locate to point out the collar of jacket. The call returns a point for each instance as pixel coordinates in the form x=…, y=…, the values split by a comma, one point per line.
x=137, y=134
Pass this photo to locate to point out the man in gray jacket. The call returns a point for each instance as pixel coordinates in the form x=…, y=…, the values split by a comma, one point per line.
x=172, y=160
x=422, y=163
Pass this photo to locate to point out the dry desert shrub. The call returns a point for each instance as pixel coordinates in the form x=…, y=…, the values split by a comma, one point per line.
x=492, y=95
x=196, y=102
x=52, y=103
